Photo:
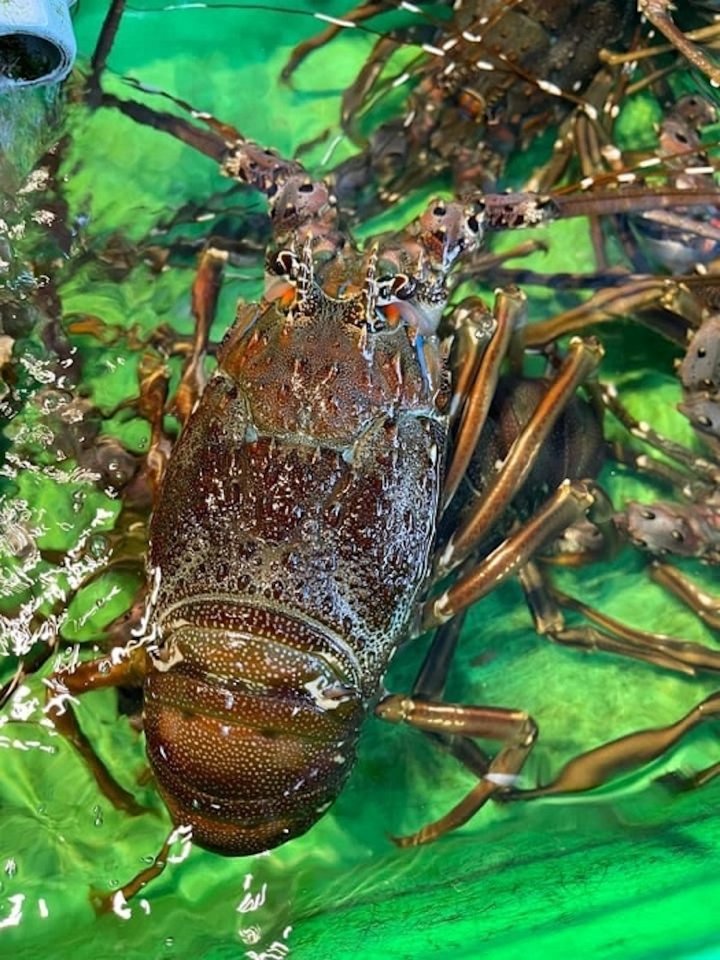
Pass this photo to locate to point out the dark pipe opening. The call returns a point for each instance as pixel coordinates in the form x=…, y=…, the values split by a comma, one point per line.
x=24, y=57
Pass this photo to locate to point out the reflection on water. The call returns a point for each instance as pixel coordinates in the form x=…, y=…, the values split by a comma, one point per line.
x=87, y=283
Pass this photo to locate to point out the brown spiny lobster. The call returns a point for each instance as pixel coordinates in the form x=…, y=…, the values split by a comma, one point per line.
x=485, y=81
x=294, y=541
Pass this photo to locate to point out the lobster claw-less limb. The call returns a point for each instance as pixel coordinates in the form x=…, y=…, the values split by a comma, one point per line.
x=583, y=358
x=515, y=728
x=546, y=603
x=597, y=766
x=658, y=13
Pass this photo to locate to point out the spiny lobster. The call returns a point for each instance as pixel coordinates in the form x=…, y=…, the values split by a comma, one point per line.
x=294, y=537
x=487, y=80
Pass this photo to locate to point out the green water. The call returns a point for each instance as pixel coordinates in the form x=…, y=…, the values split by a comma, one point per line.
x=629, y=872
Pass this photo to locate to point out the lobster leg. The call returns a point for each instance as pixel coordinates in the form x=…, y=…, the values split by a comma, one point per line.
x=490, y=265
x=580, y=135
x=124, y=548
x=26, y=667
x=698, y=466
x=350, y=19
x=151, y=406
x=88, y=676
x=604, y=763
x=508, y=312
x=657, y=12
x=584, y=136
x=514, y=728
x=123, y=556
x=154, y=375
x=680, y=311
x=707, y=607
x=568, y=504
x=648, y=466
x=117, y=901
x=103, y=47
x=617, y=58
x=584, y=356
x=205, y=293
x=474, y=326
x=605, y=633
x=430, y=685
x=364, y=86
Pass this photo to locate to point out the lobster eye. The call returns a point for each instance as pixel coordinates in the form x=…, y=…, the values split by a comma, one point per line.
x=399, y=286
x=284, y=263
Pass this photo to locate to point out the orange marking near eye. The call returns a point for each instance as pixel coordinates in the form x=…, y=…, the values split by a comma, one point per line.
x=287, y=297
x=392, y=314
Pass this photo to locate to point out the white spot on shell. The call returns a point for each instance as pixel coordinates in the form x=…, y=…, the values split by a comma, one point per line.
x=316, y=688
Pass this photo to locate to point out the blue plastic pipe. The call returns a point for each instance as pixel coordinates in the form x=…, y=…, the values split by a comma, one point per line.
x=37, y=43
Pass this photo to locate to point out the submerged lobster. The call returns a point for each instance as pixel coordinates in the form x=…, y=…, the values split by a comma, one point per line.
x=294, y=541
x=486, y=79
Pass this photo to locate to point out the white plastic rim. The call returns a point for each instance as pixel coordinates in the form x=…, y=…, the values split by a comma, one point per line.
x=37, y=43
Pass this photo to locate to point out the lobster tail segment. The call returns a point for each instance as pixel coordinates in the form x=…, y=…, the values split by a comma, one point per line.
x=251, y=728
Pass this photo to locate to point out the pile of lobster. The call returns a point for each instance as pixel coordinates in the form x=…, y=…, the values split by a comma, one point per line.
x=371, y=455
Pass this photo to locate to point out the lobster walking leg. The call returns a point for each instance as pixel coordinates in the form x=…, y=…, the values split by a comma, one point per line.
x=26, y=667
x=679, y=311
x=657, y=12
x=509, y=308
x=647, y=466
x=604, y=763
x=117, y=901
x=569, y=503
x=583, y=358
x=514, y=728
x=349, y=19
x=205, y=293
x=546, y=604
x=430, y=685
x=124, y=554
x=705, y=605
x=698, y=466
x=154, y=375
x=95, y=675
x=153, y=396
